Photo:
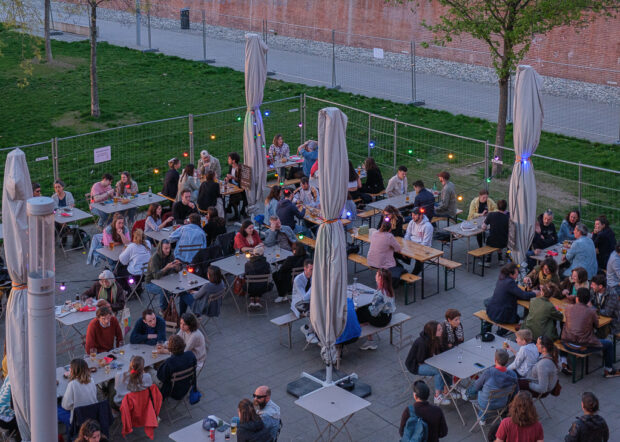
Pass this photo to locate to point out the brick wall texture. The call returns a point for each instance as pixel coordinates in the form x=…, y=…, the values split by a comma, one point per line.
x=591, y=54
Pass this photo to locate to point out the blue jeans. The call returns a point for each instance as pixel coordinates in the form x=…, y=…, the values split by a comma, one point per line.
x=103, y=217
x=427, y=370
x=157, y=290
x=186, y=299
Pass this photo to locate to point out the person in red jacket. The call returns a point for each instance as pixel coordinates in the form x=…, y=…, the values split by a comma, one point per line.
x=140, y=409
x=102, y=331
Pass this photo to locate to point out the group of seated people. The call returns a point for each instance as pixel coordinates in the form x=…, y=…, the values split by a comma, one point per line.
x=584, y=302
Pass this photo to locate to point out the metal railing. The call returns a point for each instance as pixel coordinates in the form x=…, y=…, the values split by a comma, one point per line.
x=143, y=149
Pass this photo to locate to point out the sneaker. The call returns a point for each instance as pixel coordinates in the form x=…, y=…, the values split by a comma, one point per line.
x=305, y=329
x=611, y=373
x=280, y=299
x=502, y=332
x=441, y=400
x=566, y=370
x=258, y=306
x=368, y=345
x=463, y=392
x=455, y=394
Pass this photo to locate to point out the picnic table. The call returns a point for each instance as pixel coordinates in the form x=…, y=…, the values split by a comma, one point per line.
x=67, y=215
x=465, y=229
x=399, y=201
x=466, y=360
x=235, y=264
x=560, y=304
x=72, y=318
x=100, y=376
x=410, y=249
x=227, y=189
x=112, y=254
x=195, y=432
x=557, y=257
x=313, y=215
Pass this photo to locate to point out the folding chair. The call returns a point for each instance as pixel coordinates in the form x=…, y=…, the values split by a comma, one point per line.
x=214, y=297
x=226, y=241
x=496, y=414
x=137, y=284
x=256, y=279
x=171, y=327
x=189, y=248
x=188, y=373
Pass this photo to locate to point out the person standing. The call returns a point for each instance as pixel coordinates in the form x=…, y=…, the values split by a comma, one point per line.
x=590, y=427
x=430, y=414
x=604, y=240
x=171, y=180
x=497, y=223
x=522, y=425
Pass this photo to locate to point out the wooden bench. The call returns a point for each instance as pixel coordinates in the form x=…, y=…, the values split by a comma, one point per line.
x=481, y=253
x=307, y=241
x=615, y=340
x=409, y=279
x=447, y=219
x=286, y=320
x=573, y=356
x=449, y=267
x=172, y=200
x=358, y=259
x=367, y=215
x=290, y=182
x=397, y=321
x=482, y=315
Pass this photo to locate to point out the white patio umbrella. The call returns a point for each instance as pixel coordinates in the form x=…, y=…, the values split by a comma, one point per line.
x=528, y=120
x=253, y=130
x=17, y=189
x=328, y=301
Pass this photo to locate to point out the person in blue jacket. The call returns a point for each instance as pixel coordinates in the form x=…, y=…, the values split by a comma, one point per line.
x=310, y=153
x=352, y=329
x=150, y=330
x=424, y=199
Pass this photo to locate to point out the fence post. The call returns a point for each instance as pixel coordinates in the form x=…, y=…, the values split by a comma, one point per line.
x=265, y=35
x=369, y=132
x=204, y=39
x=334, y=85
x=301, y=117
x=54, y=143
x=303, y=124
x=138, y=23
x=579, y=192
x=414, y=100
x=191, y=137
x=486, y=165
x=395, y=143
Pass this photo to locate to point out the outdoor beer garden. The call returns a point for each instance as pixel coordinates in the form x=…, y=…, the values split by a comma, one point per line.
x=295, y=291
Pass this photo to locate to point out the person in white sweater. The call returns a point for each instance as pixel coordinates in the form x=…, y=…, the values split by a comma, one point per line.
x=420, y=231
x=81, y=390
x=398, y=183
x=137, y=254
x=193, y=338
x=134, y=379
x=527, y=356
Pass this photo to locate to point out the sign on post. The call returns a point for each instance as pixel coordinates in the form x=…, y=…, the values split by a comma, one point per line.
x=245, y=175
x=102, y=154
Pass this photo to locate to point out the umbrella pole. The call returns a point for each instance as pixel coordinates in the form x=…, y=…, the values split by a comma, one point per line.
x=41, y=327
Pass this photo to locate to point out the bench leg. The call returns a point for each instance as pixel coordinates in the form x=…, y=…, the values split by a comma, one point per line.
x=614, y=342
x=290, y=336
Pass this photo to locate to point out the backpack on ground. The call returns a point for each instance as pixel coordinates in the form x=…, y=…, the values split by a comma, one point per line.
x=416, y=430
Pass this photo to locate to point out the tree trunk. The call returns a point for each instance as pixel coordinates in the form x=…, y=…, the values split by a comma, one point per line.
x=94, y=92
x=500, y=134
x=48, y=42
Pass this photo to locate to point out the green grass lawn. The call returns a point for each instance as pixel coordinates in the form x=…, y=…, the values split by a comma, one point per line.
x=137, y=87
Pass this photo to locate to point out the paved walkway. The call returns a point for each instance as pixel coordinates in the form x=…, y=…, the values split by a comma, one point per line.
x=579, y=118
x=247, y=354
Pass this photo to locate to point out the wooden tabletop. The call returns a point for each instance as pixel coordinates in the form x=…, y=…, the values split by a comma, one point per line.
x=313, y=215
x=560, y=304
x=408, y=248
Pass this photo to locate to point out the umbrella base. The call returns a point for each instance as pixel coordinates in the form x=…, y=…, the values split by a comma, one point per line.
x=308, y=383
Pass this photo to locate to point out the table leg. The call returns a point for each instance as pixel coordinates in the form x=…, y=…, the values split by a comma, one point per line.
x=467, y=256
x=343, y=426
x=450, y=390
x=451, y=240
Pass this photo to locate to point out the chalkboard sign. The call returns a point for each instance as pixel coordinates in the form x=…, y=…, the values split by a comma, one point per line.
x=245, y=173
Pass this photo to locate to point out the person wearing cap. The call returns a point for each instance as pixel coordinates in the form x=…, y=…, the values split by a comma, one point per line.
x=447, y=201
x=257, y=265
x=171, y=180
x=310, y=153
x=419, y=231
x=209, y=162
x=108, y=289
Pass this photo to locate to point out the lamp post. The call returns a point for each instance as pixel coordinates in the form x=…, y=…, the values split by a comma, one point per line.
x=41, y=331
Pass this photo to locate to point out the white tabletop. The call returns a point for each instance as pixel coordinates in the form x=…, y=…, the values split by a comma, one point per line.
x=288, y=163
x=146, y=198
x=457, y=229
x=235, y=265
x=75, y=215
x=396, y=201
x=332, y=403
x=100, y=375
x=195, y=433
x=177, y=282
x=557, y=248
x=111, y=254
x=75, y=317
x=160, y=235
x=110, y=207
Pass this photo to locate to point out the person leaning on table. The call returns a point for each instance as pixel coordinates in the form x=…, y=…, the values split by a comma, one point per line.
x=107, y=288
x=149, y=330
x=102, y=331
x=81, y=389
x=179, y=360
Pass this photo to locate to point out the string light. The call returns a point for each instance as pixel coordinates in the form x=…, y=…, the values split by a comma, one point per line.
x=422, y=210
x=248, y=255
x=371, y=144
x=488, y=179
x=213, y=136
x=238, y=117
x=155, y=171
x=62, y=287
x=301, y=236
x=460, y=197
x=450, y=156
x=276, y=175
x=185, y=154
x=410, y=151
x=348, y=214
x=191, y=269
x=267, y=112
x=387, y=219
x=300, y=124
x=130, y=280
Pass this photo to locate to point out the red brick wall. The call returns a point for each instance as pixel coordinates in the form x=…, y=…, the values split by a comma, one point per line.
x=592, y=55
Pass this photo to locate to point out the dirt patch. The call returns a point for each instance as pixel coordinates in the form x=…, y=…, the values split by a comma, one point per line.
x=73, y=120
x=58, y=64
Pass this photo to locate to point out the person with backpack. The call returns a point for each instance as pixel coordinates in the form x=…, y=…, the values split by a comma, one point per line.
x=422, y=421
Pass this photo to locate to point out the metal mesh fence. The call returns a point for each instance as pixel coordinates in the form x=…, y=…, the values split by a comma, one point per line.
x=39, y=157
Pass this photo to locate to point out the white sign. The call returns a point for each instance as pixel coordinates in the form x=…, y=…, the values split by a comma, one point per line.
x=377, y=52
x=103, y=154
x=42, y=159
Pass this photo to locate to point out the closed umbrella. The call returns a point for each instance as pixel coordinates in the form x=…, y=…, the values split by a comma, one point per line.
x=328, y=300
x=528, y=120
x=17, y=189
x=253, y=130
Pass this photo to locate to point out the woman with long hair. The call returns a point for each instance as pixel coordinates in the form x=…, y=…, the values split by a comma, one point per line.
x=374, y=179
x=117, y=232
x=544, y=375
x=209, y=192
x=271, y=202
x=215, y=225
x=279, y=150
x=247, y=238
x=578, y=280
x=193, y=338
x=381, y=252
x=355, y=184
x=379, y=312
x=134, y=258
x=522, y=425
x=251, y=427
x=134, y=379
x=543, y=274
x=90, y=431
x=568, y=226
x=200, y=303
x=125, y=188
x=393, y=217
x=427, y=345
x=81, y=390
x=154, y=221
x=188, y=180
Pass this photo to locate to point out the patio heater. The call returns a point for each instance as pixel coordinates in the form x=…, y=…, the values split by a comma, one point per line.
x=41, y=330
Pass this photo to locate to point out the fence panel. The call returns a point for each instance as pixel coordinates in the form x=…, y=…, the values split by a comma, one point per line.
x=141, y=149
x=39, y=157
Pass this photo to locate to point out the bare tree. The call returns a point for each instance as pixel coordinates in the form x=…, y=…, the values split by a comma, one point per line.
x=46, y=27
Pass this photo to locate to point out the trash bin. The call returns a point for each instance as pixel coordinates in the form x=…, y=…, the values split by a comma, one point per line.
x=185, y=18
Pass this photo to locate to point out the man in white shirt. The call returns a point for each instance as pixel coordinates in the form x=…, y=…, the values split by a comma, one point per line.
x=420, y=230
x=308, y=196
x=300, y=303
x=398, y=183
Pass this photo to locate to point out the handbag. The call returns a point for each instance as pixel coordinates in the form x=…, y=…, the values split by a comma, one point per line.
x=124, y=319
x=557, y=389
x=194, y=395
x=238, y=286
x=171, y=314
x=219, y=206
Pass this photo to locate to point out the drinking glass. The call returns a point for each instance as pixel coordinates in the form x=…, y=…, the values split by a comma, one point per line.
x=237, y=253
x=277, y=251
x=107, y=369
x=160, y=345
x=121, y=351
x=459, y=354
x=93, y=354
x=184, y=271
x=233, y=425
x=154, y=353
x=479, y=341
